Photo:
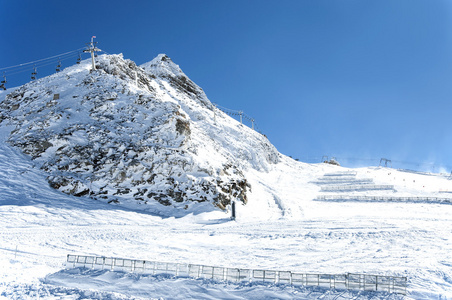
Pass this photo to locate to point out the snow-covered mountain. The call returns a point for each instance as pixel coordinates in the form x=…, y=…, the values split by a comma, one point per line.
x=148, y=138
x=135, y=135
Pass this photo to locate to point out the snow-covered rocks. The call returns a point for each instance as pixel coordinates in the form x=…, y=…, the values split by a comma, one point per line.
x=135, y=135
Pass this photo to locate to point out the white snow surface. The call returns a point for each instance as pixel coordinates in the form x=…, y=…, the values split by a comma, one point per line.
x=282, y=226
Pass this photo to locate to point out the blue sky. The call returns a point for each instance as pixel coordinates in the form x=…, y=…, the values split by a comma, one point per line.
x=356, y=79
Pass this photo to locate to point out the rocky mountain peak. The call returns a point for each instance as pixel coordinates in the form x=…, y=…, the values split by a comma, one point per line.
x=134, y=136
x=162, y=66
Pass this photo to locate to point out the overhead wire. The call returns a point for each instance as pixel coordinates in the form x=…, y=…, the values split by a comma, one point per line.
x=40, y=63
x=34, y=66
x=43, y=59
x=232, y=112
x=27, y=69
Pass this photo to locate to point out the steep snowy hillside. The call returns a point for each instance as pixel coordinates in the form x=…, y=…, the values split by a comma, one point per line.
x=135, y=136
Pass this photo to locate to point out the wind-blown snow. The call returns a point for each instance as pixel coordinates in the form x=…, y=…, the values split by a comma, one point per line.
x=282, y=226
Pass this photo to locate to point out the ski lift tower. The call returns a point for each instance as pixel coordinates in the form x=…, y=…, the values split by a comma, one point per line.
x=92, y=49
x=386, y=162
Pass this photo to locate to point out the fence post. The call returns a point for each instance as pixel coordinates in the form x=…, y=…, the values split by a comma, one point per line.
x=233, y=210
x=406, y=283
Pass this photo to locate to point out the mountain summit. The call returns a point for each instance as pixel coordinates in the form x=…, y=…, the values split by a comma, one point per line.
x=135, y=135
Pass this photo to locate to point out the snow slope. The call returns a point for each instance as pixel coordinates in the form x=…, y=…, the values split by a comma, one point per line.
x=282, y=226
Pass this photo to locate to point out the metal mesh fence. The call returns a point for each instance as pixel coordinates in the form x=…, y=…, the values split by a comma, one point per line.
x=349, y=281
x=343, y=198
x=339, y=181
x=357, y=187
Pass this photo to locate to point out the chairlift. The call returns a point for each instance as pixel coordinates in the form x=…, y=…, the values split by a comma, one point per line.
x=34, y=73
x=58, y=67
x=3, y=82
x=79, y=59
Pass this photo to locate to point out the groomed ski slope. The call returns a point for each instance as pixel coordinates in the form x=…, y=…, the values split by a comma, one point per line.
x=281, y=228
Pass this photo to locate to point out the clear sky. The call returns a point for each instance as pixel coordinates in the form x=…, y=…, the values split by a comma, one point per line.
x=356, y=79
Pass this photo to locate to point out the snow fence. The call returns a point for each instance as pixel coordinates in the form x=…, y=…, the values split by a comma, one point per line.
x=338, y=181
x=358, y=187
x=342, y=198
x=349, y=281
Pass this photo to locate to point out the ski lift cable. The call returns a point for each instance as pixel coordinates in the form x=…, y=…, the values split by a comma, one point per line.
x=43, y=59
x=227, y=109
x=27, y=69
x=235, y=112
x=41, y=64
x=248, y=118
